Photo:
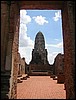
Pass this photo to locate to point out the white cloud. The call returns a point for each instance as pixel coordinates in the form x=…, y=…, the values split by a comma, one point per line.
x=56, y=39
x=59, y=45
x=57, y=16
x=26, y=53
x=52, y=56
x=26, y=44
x=24, y=39
x=24, y=19
x=40, y=20
x=53, y=52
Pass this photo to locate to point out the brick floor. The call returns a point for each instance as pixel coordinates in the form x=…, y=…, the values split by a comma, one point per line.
x=40, y=87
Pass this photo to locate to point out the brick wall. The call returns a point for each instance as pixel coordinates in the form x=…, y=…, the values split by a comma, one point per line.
x=4, y=33
x=14, y=13
x=68, y=16
x=23, y=65
x=58, y=64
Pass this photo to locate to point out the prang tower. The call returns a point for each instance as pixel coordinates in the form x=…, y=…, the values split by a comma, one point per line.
x=39, y=53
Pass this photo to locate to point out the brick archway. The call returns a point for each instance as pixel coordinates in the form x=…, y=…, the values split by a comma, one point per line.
x=68, y=22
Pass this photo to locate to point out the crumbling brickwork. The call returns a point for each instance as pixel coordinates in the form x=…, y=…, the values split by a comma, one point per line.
x=69, y=47
x=21, y=65
x=58, y=64
x=4, y=33
x=10, y=48
x=10, y=36
x=39, y=54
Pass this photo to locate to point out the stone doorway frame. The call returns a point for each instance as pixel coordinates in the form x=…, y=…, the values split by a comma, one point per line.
x=68, y=27
x=68, y=36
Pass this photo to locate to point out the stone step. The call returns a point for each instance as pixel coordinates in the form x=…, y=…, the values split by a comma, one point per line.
x=24, y=78
x=5, y=82
x=19, y=81
x=4, y=79
x=4, y=94
x=4, y=88
x=5, y=76
x=6, y=72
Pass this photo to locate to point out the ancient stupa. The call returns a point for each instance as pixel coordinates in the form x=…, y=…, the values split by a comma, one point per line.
x=39, y=54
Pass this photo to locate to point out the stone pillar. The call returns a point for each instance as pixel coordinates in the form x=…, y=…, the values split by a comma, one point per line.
x=15, y=44
x=10, y=39
x=4, y=32
x=68, y=19
x=9, y=47
x=23, y=65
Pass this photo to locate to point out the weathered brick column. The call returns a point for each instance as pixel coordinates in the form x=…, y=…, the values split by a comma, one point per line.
x=10, y=37
x=4, y=32
x=9, y=45
x=13, y=80
x=69, y=48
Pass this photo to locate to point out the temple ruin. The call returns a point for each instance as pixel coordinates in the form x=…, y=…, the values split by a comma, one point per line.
x=10, y=21
x=39, y=60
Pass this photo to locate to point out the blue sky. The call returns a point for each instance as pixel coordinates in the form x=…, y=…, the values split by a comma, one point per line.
x=49, y=22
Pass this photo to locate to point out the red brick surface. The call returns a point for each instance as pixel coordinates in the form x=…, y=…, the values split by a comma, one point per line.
x=40, y=87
